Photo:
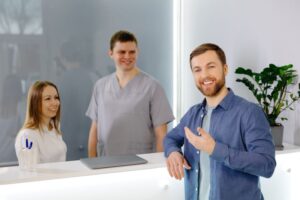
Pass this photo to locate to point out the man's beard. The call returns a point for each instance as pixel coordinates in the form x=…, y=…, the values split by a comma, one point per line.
x=216, y=89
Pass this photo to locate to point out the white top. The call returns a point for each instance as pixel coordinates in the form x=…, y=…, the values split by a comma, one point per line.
x=48, y=145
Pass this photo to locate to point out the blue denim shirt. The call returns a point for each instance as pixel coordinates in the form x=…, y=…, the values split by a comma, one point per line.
x=244, y=149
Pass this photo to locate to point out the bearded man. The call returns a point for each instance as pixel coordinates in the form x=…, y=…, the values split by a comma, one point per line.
x=227, y=140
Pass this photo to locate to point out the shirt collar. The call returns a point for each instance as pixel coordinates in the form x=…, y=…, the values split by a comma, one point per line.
x=225, y=103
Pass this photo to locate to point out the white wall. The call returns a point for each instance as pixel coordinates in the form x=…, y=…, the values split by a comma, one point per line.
x=252, y=34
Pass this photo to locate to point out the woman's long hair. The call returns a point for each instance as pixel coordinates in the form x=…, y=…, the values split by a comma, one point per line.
x=33, y=118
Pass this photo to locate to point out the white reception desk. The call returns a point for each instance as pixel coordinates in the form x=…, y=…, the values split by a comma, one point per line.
x=73, y=180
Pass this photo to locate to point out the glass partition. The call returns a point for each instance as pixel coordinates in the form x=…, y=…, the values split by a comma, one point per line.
x=66, y=42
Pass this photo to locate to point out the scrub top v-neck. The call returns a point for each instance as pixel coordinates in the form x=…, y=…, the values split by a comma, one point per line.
x=126, y=116
x=128, y=88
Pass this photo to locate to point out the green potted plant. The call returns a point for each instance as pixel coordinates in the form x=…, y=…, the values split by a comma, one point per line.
x=271, y=87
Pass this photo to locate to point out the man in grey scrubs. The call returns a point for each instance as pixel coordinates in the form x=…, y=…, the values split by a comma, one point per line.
x=128, y=108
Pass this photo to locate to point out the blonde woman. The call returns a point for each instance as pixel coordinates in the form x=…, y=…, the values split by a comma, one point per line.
x=40, y=131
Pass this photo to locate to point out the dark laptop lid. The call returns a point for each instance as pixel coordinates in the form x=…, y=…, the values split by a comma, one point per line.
x=112, y=161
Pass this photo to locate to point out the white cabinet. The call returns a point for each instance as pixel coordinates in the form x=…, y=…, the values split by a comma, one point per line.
x=284, y=184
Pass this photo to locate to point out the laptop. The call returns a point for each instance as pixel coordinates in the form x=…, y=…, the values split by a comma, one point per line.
x=112, y=161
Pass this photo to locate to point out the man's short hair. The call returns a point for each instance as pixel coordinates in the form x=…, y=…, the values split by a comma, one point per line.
x=122, y=36
x=207, y=47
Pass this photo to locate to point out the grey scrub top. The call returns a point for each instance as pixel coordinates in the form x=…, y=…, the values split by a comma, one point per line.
x=126, y=117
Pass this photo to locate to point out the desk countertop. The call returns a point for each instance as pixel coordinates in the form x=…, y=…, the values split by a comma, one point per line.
x=288, y=148
x=47, y=171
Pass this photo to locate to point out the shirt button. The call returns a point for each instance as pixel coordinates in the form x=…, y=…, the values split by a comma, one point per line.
x=201, y=115
x=196, y=189
x=196, y=170
x=198, y=152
